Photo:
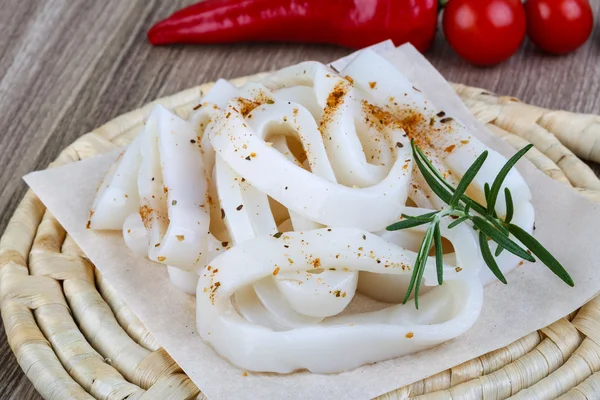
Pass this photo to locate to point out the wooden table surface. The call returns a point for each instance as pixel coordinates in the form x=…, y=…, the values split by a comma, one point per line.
x=67, y=66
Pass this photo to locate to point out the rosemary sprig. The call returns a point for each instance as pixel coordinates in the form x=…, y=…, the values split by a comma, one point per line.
x=482, y=218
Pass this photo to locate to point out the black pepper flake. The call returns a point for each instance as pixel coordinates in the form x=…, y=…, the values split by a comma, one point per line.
x=222, y=214
x=239, y=207
x=248, y=158
x=441, y=114
x=286, y=246
x=416, y=89
x=174, y=202
x=447, y=119
x=400, y=145
x=364, y=237
x=192, y=140
x=243, y=179
x=378, y=261
x=152, y=179
x=278, y=235
x=329, y=230
x=286, y=188
x=197, y=107
x=534, y=226
x=224, y=244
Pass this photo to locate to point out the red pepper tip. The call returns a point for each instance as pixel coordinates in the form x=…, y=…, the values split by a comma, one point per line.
x=156, y=35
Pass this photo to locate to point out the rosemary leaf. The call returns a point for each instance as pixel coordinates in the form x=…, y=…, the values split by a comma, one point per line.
x=433, y=183
x=426, y=163
x=499, y=251
x=499, y=238
x=411, y=284
x=486, y=191
x=407, y=223
x=423, y=256
x=439, y=253
x=457, y=222
x=509, y=206
x=435, y=186
x=422, y=216
x=489, y=259
x=467, y=179
x=467, y=208
x=420, y=277
x=474, y=205
x=491, y=203
x=419, y=268
x=498, y=226
x=541, y=252
x=419, y=153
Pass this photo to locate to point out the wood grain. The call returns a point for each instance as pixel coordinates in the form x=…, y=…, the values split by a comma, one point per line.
x=67, y=66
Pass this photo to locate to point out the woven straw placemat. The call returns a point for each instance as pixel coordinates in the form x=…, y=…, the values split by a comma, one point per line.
x=76, y=339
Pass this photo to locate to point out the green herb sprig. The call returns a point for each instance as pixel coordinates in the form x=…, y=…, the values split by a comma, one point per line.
x=483, y=219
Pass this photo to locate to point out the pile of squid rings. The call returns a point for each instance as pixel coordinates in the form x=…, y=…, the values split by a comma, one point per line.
x=270, y=205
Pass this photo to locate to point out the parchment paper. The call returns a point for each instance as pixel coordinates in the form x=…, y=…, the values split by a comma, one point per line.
x=566, y=223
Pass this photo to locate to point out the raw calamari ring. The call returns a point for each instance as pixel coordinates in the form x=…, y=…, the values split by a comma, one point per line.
x=442, y=137
x=344, y=342
x=172, y=188
x=371, y=208
x=118, y=196
x=274, y=310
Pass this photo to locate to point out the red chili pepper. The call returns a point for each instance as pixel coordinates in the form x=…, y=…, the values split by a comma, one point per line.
x=352, y=23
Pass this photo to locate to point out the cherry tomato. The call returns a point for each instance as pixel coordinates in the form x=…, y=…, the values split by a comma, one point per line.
x=484, y=32
x=559, y=26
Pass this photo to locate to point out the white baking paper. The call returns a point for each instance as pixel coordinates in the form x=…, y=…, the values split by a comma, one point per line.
x=566, y=223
